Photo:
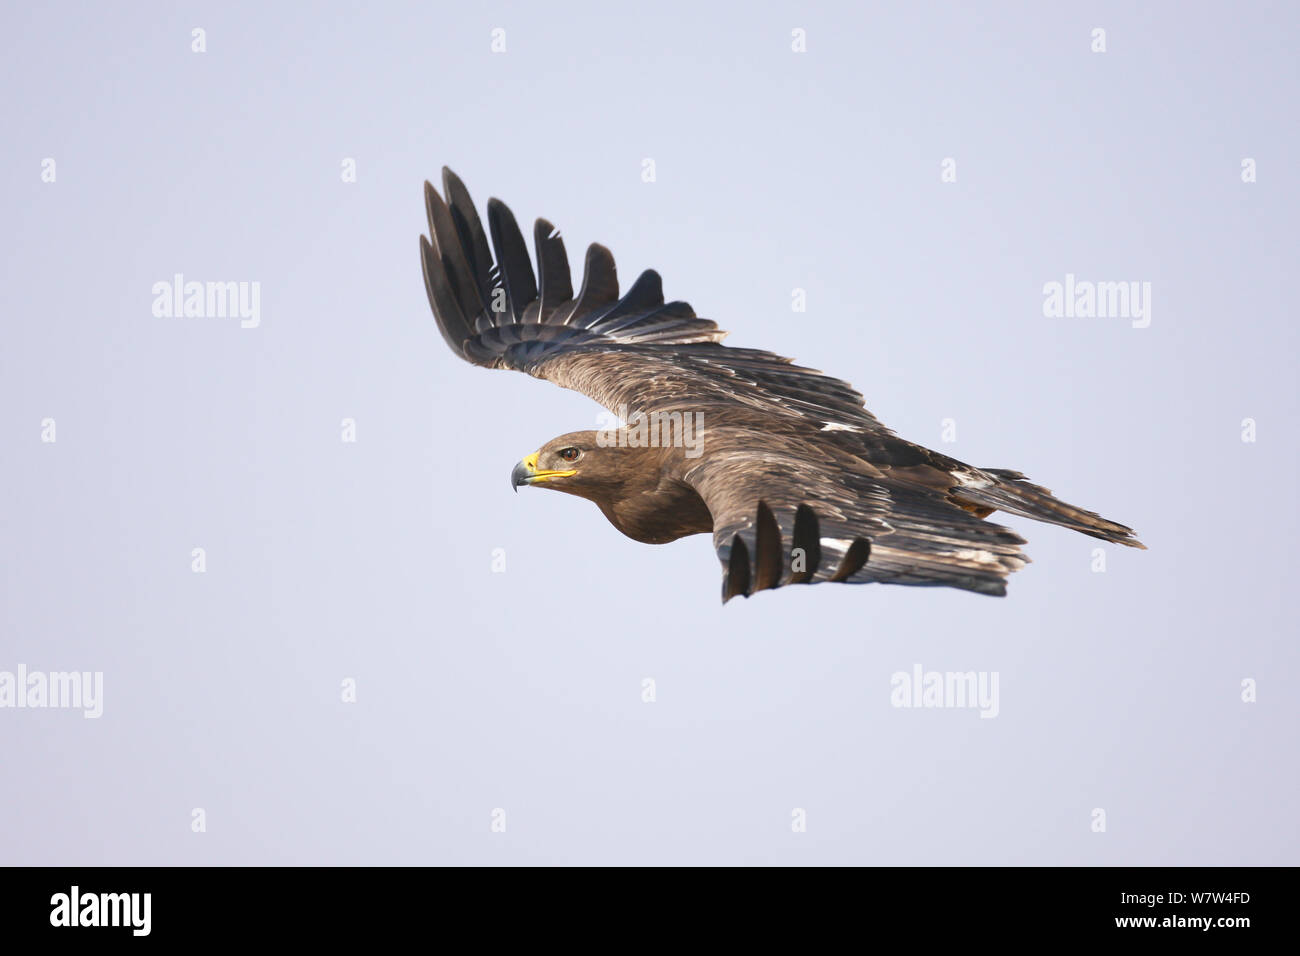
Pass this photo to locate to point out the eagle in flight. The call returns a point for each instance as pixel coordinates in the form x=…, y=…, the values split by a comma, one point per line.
x=797, y=482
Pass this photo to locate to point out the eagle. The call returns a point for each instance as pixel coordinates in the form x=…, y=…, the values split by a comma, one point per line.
x=784, y=466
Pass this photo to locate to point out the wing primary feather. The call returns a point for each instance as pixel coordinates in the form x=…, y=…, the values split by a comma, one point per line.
x=552, y=268
x=854, y=559
x=470, y=228
x=737, y=579
x=512, y=258
x=599, y=286
x=767, y=547
x=647, y=292
x=807, y=537
x=446, y=310
x=447, y=240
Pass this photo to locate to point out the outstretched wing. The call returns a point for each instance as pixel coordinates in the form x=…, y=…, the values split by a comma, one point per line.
x=632, y=352
x=785, y=514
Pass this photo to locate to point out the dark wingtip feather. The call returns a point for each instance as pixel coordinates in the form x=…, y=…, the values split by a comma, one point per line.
x=512, y=257
x=599, y=286
x=446, y=310
x=449, y=243
x=807, y=537
x=552, y=267
x=470, y=228
x=646, y=291
x=854, y=559
x=737, y=579
x=768, y=552
x=646, y=294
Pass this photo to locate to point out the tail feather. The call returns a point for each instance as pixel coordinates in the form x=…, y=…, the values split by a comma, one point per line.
x=1010, y=492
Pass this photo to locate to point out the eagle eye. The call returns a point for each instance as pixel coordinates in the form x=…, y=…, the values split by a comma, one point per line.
x=570, y=454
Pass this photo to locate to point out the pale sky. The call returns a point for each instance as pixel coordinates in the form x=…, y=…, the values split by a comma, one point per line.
x=516, y=697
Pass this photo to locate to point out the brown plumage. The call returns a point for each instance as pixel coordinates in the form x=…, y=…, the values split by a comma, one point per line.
x=794, y=478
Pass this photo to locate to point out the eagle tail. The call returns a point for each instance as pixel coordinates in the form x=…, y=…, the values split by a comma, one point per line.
x=1012, y=493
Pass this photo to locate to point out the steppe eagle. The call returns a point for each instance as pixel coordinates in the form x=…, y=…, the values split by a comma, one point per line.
x=797, y=482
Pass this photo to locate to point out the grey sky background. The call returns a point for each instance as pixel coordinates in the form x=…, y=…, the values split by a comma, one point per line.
x=521, y=690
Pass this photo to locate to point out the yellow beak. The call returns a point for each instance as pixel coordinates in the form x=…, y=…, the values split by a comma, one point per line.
x=526, y=473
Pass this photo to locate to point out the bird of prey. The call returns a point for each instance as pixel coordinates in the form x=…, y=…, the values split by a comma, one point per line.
x=796, y=481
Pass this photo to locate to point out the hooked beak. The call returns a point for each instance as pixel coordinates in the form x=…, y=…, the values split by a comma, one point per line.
x=526, y=473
